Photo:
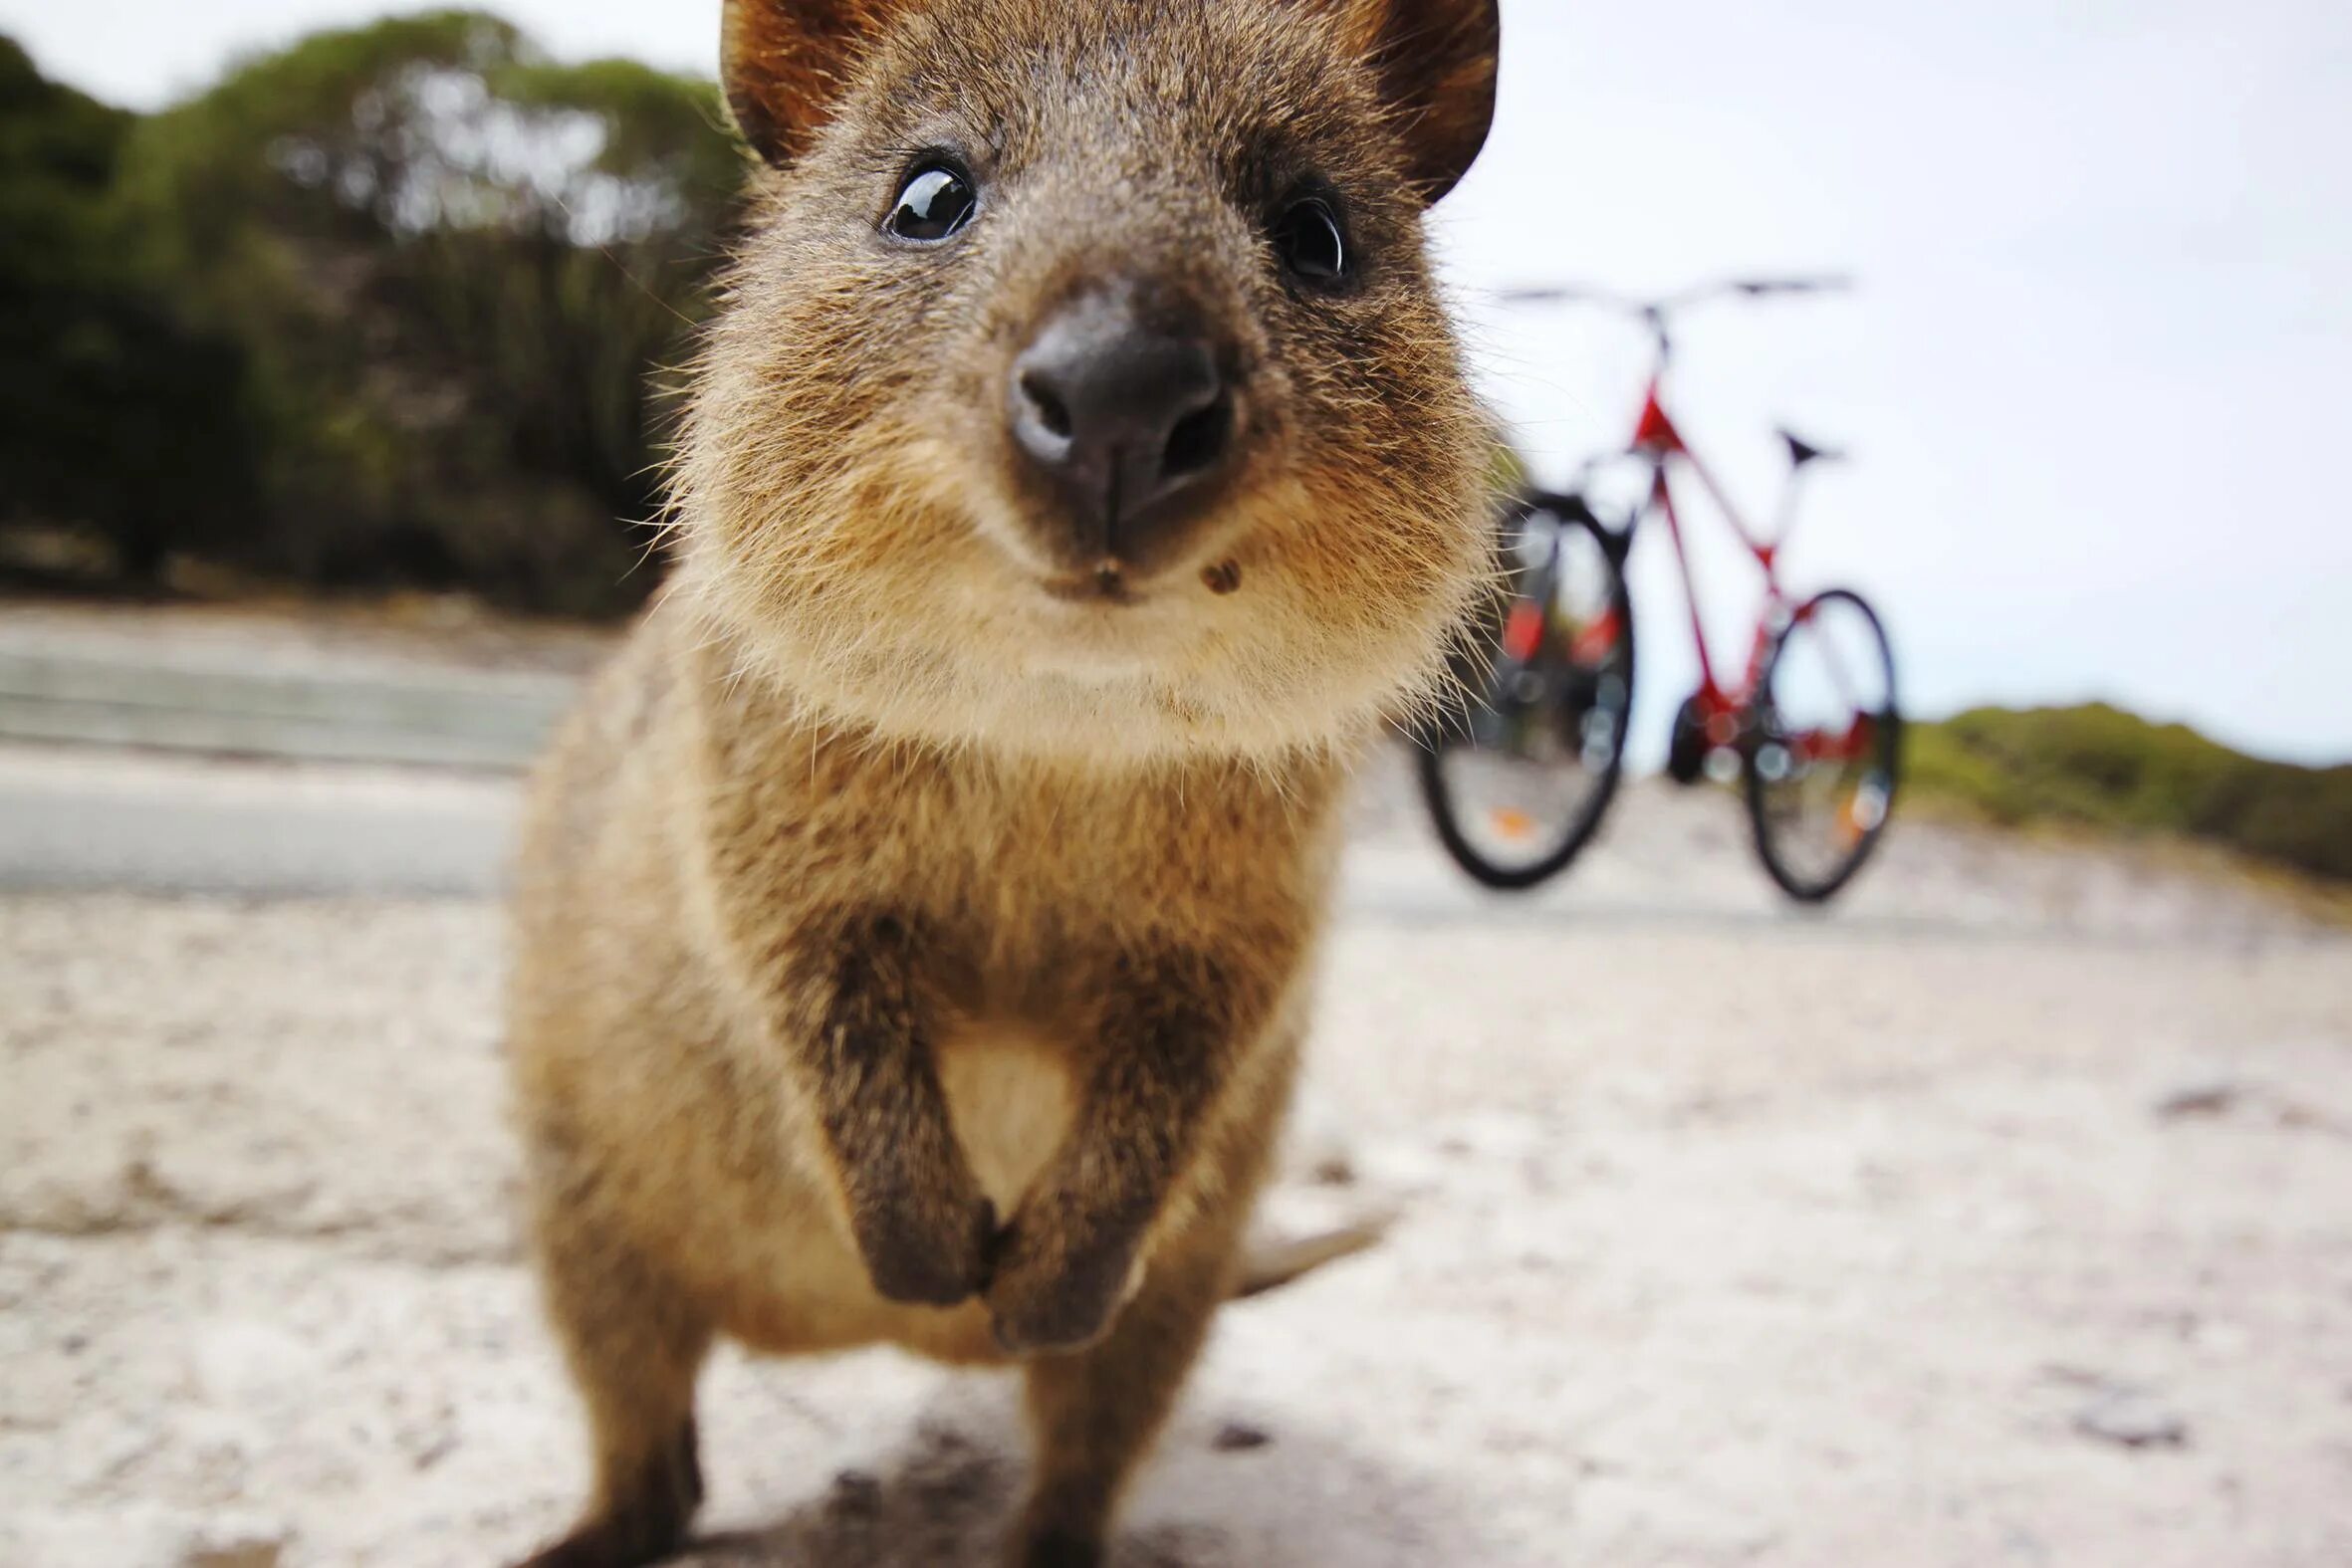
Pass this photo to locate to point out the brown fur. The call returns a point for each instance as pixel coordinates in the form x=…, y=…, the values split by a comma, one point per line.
x=906, y=952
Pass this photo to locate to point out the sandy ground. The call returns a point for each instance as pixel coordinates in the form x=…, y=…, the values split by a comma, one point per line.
x=2003, y=1217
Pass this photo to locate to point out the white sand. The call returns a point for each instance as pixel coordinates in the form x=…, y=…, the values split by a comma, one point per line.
x=1728, y=1238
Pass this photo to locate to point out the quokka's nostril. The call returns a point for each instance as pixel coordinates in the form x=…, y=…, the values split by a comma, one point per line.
x=1198, y=441
x=1052, y=412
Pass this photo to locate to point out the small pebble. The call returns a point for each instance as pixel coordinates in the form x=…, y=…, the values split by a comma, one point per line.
x=1236, y=1436
x=227, y=1547
x=2204, y=1097
x=2134, y=1421
x=1334, y=1170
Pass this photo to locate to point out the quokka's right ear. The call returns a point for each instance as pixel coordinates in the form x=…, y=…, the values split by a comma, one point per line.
x=785, y=63
x=1436, y=61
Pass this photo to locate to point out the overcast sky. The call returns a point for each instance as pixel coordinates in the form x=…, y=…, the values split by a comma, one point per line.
x=2097, y=376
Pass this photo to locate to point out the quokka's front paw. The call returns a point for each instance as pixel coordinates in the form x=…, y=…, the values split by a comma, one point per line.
x=1047, y=1294
x=927, y=1249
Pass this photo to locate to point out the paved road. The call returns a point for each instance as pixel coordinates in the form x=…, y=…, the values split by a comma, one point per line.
x=269, y=690
x=90, y=819
x=72, y=817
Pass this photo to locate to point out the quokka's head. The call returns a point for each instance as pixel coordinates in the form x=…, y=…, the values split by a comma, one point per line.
x=1082, y=386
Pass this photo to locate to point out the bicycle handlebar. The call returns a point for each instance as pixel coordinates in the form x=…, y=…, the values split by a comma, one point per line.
x=1653, y=313
x=1746, y=288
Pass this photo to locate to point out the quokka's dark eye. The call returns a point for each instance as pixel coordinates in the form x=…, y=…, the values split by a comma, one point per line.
x=1307, y=235
x=934, y=203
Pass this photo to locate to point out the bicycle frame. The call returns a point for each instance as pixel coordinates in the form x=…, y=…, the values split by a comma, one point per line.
x=1721, y=703
x=1658, y=442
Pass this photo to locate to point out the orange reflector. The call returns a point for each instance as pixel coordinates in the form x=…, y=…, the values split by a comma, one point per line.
x=1511, y=822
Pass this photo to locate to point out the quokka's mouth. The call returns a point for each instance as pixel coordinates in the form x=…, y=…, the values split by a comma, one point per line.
x=1108, y=583
x=1113, y=583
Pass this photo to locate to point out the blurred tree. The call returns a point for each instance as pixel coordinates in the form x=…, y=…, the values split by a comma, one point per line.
x=113, y=417
x=451, y=266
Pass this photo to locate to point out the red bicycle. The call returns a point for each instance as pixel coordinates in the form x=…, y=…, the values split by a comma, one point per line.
x=1519, y=781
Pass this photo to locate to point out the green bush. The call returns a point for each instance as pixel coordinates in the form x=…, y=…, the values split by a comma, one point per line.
x=2101, y=766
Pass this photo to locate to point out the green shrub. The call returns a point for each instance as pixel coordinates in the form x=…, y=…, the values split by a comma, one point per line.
x=2101, y=766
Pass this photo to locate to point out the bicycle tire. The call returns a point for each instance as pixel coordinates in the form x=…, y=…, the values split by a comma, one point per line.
x=1886, y=745
x=1433, y=744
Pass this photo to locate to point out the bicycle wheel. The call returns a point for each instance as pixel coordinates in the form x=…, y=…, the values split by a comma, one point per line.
x=1823, y=745
x=1518, y=786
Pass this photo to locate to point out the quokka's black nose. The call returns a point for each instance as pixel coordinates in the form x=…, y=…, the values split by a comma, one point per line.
x=1125, y=420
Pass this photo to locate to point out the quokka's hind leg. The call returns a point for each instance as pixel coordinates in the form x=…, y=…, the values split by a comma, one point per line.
x=635, y=1345
x=1094, y=1412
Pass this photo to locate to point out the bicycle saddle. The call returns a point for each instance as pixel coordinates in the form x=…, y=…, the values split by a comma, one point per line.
x=1801, y=451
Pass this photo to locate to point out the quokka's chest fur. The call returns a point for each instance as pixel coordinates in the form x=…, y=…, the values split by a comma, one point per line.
x=1028, y=875
x=742, y=852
